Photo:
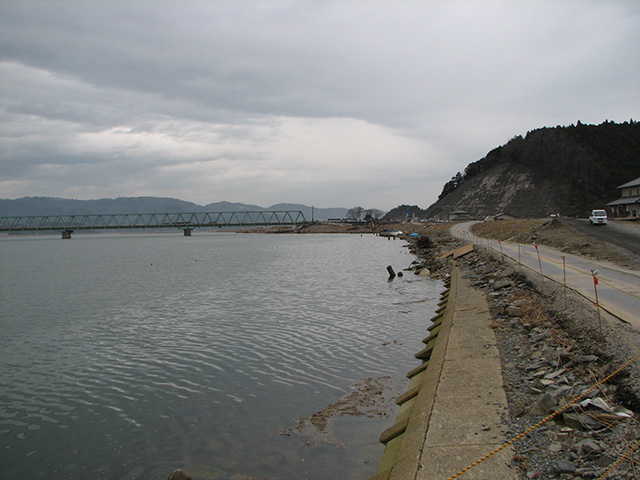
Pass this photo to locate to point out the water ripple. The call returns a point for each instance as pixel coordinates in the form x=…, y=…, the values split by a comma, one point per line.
x=142, y=349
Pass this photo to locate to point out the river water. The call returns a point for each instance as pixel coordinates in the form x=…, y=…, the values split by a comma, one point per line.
x=127, y=356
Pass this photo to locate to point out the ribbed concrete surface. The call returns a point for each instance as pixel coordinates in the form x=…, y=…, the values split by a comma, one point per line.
x=454, y=420
x=465, y=420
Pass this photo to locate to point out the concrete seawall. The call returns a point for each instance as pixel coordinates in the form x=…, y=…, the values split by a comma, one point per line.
x=449, y=417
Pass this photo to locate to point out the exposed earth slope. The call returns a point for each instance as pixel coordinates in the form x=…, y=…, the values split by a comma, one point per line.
x=566, y=170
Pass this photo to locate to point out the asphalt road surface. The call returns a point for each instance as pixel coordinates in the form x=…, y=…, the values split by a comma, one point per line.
x=621, y=233
x=618, y=289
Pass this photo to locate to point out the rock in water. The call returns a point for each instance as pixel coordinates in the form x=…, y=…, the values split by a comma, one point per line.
x=179, y=475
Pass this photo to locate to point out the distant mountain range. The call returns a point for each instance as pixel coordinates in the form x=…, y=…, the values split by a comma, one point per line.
x=62, y=206
x=567, y=170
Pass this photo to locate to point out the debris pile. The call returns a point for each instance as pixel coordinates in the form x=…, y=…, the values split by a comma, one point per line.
x=552, y=357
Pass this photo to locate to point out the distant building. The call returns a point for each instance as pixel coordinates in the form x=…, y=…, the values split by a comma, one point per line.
x=503, y=216
x=459, y=215
x=628, y=205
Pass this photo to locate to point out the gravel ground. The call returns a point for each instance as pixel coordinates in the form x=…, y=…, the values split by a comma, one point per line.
x=552, y=353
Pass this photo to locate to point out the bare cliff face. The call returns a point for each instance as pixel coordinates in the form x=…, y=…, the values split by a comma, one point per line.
x=565, y=170
x=505, y=188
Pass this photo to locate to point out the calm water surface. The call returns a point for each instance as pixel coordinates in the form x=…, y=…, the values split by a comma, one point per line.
x=127, y=356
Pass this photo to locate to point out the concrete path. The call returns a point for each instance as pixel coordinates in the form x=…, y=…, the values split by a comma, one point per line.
x=454, y=420
x=465, y=419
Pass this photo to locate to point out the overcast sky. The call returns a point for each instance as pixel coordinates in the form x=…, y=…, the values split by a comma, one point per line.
x=325, y=103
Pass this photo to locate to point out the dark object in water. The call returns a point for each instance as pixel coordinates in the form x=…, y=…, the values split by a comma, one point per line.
x=392, y=274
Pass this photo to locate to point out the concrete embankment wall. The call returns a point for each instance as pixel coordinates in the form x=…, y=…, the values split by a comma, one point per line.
x=450, y=415
x=405, y=439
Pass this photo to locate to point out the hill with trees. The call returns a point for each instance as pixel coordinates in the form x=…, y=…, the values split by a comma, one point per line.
x=402, y=213
x=566, y=170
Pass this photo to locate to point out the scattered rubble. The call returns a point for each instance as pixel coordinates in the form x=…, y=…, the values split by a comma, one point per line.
x=550, y=357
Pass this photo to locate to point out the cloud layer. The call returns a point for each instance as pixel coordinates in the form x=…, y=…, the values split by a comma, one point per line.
x=327, y=103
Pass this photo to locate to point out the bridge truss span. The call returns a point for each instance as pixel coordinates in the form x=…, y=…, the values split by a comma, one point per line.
x=186, y=221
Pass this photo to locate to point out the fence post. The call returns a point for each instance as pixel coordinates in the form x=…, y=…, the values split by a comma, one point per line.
x=594, y=274
x=535, y=244
x=564, y=280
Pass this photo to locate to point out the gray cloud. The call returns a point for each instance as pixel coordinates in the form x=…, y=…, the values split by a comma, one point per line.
x=374, y=103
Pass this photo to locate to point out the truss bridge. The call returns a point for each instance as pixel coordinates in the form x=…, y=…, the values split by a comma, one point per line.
x=67, y=224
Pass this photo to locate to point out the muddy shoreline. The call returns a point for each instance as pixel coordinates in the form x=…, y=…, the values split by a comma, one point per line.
x=368, y=398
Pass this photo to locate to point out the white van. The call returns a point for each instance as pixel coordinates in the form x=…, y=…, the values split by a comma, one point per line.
x=598, y=217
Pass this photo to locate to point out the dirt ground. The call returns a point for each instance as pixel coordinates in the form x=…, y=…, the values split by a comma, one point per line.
x=407, y=228
x=554, y=233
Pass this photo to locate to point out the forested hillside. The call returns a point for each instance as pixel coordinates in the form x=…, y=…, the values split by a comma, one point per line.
x=566, y=170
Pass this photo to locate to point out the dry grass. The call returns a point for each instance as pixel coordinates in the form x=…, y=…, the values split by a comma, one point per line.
x=534, y=311
x=536, y=314
x=552, y=233
x=515, y=230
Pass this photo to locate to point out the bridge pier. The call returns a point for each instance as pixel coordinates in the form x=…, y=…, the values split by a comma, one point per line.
x=66, y=234
x=187, y=232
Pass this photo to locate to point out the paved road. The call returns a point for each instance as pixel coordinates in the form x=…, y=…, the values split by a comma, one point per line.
x=618, y=289
x=624, y=234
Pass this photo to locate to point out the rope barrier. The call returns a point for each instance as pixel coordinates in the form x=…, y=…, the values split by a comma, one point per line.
x=575, y=400
x=626, y=454
x=589, y=299
x=621, y=335
x=579, y=270
x=546, y=419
